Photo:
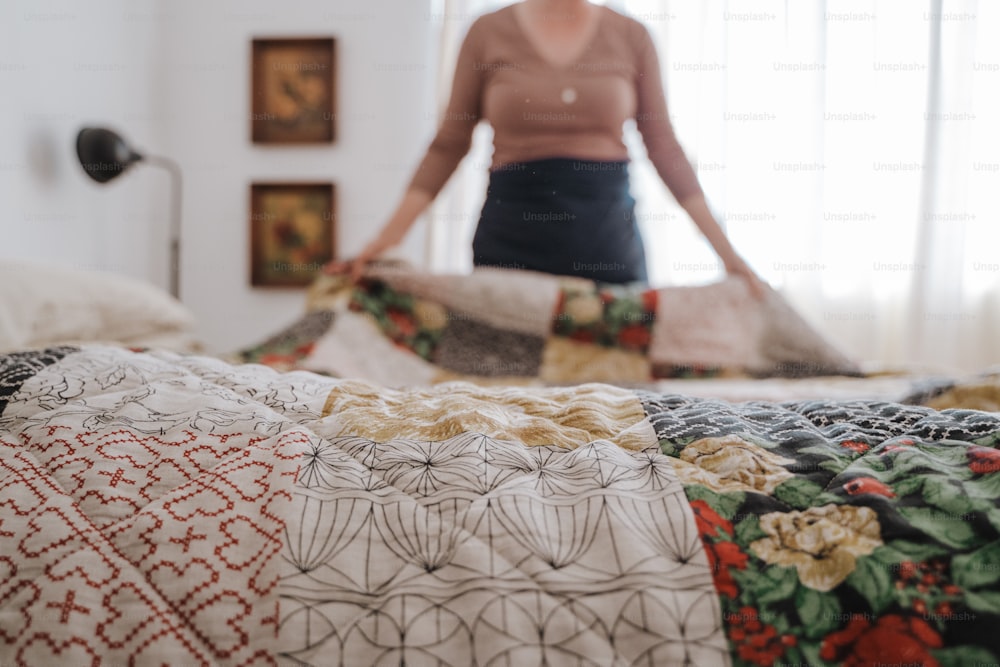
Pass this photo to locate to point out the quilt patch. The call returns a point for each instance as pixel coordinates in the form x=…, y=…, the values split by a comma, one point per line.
x=609, y=316
x=165, y=509
x=562, y=417
x=141, y=515
x=859, y=533
x=470, y=347
x=18, y=367
x=460, y=526
x=413, y=324
x=288, y=348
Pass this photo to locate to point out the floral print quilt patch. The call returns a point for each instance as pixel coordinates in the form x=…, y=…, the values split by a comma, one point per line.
x=606, y=315
x=619, y=317
x=412, y=323
x=854, y=534
x=285, y=350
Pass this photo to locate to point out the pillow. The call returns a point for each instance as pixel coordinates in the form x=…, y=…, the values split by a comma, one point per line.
x=45, y=304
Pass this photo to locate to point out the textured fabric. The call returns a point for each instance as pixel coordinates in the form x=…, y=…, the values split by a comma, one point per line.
x=564, y=217
x=540, y=111
x=519, y=301
x=286, y=349
x=142, y=511
x=550, y=416
x=479, y=551
x=160, y=509
x=475, y=348
x=858, y=533
x=18, y=367
x=591, y=332
x=355, y=347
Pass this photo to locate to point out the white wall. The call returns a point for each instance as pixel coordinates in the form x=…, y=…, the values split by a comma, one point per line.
x=384, y=123
x=173, y=77
x=63, y=66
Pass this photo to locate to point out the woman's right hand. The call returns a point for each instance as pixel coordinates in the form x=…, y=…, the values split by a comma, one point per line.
x=413, y=203
x=354, y=268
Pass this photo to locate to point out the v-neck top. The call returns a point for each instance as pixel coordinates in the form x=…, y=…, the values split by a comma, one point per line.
x=541, y=110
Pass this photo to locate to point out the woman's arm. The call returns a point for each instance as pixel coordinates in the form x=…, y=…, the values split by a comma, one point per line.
x=697, y=208
x=666, y=154
x=451, y=142
x=414, y=202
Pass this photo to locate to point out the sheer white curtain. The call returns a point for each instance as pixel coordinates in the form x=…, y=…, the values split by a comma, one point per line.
x=850, y=147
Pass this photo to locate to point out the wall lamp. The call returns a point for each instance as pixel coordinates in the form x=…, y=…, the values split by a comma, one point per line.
x=104, y=156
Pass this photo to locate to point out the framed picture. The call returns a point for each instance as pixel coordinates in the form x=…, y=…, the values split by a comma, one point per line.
x=292, y=232
x=293, y=91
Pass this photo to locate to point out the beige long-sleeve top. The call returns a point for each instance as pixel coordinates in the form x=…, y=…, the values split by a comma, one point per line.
x=540, y=110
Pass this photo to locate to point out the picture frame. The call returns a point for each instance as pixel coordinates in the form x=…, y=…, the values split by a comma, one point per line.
x=293, y=90
x=292, y=232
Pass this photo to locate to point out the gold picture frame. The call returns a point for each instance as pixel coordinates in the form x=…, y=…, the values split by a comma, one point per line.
x=293, y=90
x=292, y=232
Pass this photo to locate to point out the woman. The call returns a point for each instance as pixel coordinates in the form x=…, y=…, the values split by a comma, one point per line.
x=557, y=79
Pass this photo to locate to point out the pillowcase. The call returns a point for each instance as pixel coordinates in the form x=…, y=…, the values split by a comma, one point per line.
x=45, y=304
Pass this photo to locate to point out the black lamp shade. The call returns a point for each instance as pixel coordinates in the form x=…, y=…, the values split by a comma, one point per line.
x=103, y=154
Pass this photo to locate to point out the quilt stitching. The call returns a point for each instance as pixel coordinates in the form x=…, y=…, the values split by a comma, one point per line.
x=393, y=466
x=81, y=541
x=457, y=531
x=814, y=532
x=203, y=585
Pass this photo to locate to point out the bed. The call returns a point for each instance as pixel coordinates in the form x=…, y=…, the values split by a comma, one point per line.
x=174, y=509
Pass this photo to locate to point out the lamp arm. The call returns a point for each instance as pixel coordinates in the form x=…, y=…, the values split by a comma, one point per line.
x=176, y=187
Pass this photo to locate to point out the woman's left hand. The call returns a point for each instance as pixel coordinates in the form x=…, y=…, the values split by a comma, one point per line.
x=737, y=267
x=697, y=208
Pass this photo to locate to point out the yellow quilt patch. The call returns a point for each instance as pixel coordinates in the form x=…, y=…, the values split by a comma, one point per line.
x=566, y=417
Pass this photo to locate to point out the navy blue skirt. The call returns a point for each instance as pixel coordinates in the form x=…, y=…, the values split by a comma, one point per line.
x=562, y=216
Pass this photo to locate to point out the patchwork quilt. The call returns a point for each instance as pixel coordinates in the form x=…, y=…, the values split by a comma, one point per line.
x=402, y=327
x=162, y=509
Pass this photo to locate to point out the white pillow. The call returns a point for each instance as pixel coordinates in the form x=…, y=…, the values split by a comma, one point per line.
x=46, y=304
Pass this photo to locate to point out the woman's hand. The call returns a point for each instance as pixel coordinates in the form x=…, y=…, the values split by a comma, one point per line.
x=413, y=203
x=354, y=268
x=697, y=208
x=735, y=266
